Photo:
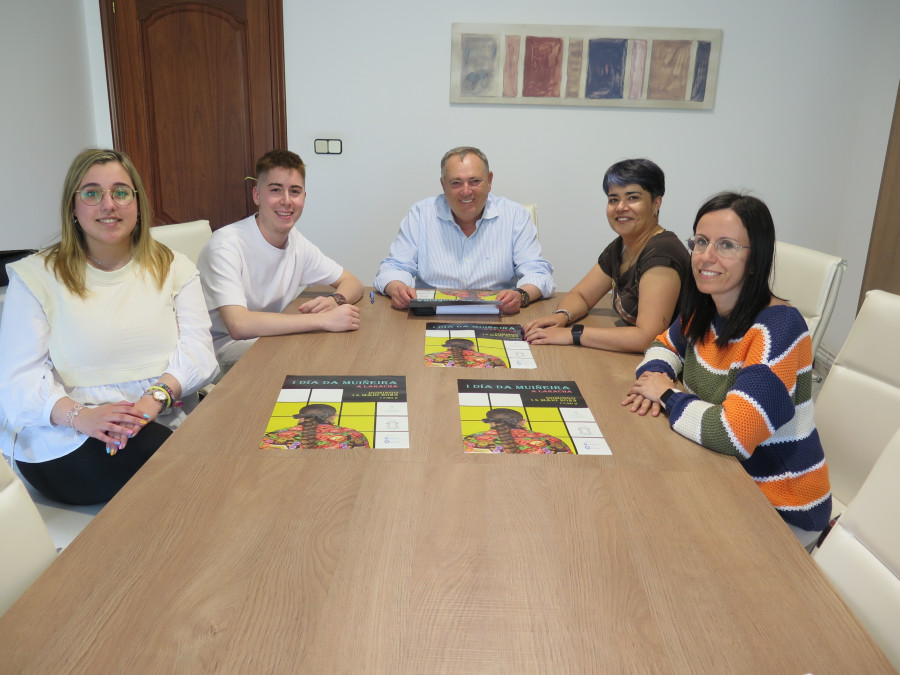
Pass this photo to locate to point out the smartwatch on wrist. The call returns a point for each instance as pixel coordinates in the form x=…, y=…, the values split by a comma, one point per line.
x=577, y=330
x=666, y=395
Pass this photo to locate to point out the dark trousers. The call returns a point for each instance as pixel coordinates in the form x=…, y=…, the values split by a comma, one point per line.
x=88, y=475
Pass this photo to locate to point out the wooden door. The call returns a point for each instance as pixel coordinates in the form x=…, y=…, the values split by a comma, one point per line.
x=882, y=266
x=196, y=95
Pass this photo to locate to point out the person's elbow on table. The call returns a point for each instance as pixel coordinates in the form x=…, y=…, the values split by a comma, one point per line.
x=236, y=320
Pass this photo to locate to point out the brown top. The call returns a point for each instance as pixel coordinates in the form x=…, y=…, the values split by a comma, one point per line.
x=663, y=249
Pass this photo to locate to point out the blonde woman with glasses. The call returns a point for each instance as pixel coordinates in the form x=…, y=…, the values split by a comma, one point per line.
x=104, y=335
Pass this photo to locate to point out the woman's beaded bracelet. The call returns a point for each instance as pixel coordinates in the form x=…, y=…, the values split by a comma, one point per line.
x=566, y=312
x=72, y=414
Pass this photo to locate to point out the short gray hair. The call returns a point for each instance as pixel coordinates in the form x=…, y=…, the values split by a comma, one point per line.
x=461, y=152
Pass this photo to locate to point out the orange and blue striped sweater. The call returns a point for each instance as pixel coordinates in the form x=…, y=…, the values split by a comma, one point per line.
x=753, y=399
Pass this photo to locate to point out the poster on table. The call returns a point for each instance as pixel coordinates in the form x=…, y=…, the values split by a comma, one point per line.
x=477, y=345
x=527, y=417
x=431, y=301
x=339, y=411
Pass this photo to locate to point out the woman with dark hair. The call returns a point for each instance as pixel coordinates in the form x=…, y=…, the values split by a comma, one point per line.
x=744, y=357
x=643, y=266
x=508, y=434
x=102, y=334
x=315, y=428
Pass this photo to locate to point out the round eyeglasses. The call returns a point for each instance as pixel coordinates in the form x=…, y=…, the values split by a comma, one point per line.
x=726, y=248
x=122, y=195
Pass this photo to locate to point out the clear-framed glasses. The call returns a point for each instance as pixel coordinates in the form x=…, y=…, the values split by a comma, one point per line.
x=727, y=248
x=122, y=195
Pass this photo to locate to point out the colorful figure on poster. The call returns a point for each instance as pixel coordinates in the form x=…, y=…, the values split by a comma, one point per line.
x=471, y=295
x=507, y=434
x=314, y=429
x=461, y=354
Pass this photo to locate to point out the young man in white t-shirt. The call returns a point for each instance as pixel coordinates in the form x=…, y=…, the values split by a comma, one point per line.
x=251, y=270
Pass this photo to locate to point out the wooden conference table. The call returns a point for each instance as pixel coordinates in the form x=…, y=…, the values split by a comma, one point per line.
x=662, y=557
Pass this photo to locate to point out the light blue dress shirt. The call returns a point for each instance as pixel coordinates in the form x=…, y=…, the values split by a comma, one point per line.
x=432, y=252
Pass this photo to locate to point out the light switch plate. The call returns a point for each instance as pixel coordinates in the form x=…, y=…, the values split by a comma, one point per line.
x=329, y=146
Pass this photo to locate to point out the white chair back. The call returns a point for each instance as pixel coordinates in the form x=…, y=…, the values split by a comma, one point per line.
x=26, y=548
x=186, y=238
x=810, y=281
x=861, y=554
x=858, y=408
x=532, y=212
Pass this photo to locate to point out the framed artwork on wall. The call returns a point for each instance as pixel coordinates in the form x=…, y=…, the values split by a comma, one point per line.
x=584, y=65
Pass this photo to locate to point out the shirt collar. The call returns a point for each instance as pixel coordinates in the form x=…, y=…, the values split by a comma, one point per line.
x=491, y=210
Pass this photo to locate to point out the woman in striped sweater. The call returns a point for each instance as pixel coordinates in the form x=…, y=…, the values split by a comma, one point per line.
x=744, y=359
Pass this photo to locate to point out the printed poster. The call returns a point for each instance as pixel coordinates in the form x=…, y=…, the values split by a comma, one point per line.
x=437, y=296
x=339, y=411
x=430, y=301
x=477, y=345
x=529, y=417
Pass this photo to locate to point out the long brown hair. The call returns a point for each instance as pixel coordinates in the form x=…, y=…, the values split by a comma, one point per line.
x=68, y=257
x=698, y=310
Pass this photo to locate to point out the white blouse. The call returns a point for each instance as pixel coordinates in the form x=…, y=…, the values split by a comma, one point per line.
x=30, y=385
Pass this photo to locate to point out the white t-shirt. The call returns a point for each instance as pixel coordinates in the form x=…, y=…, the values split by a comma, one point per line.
x=239, y=267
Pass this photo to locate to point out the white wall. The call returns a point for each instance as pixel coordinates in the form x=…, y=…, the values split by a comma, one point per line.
x=47, y=114
x=803, y=110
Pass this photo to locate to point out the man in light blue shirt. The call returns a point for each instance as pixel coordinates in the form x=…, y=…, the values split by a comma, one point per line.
x=467, y=238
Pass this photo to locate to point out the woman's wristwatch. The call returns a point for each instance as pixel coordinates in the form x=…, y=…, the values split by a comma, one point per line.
x=162, y=394
x=666, y=395
x=577, y=330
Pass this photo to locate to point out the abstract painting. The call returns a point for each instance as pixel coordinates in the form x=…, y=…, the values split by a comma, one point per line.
x=584, y=65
